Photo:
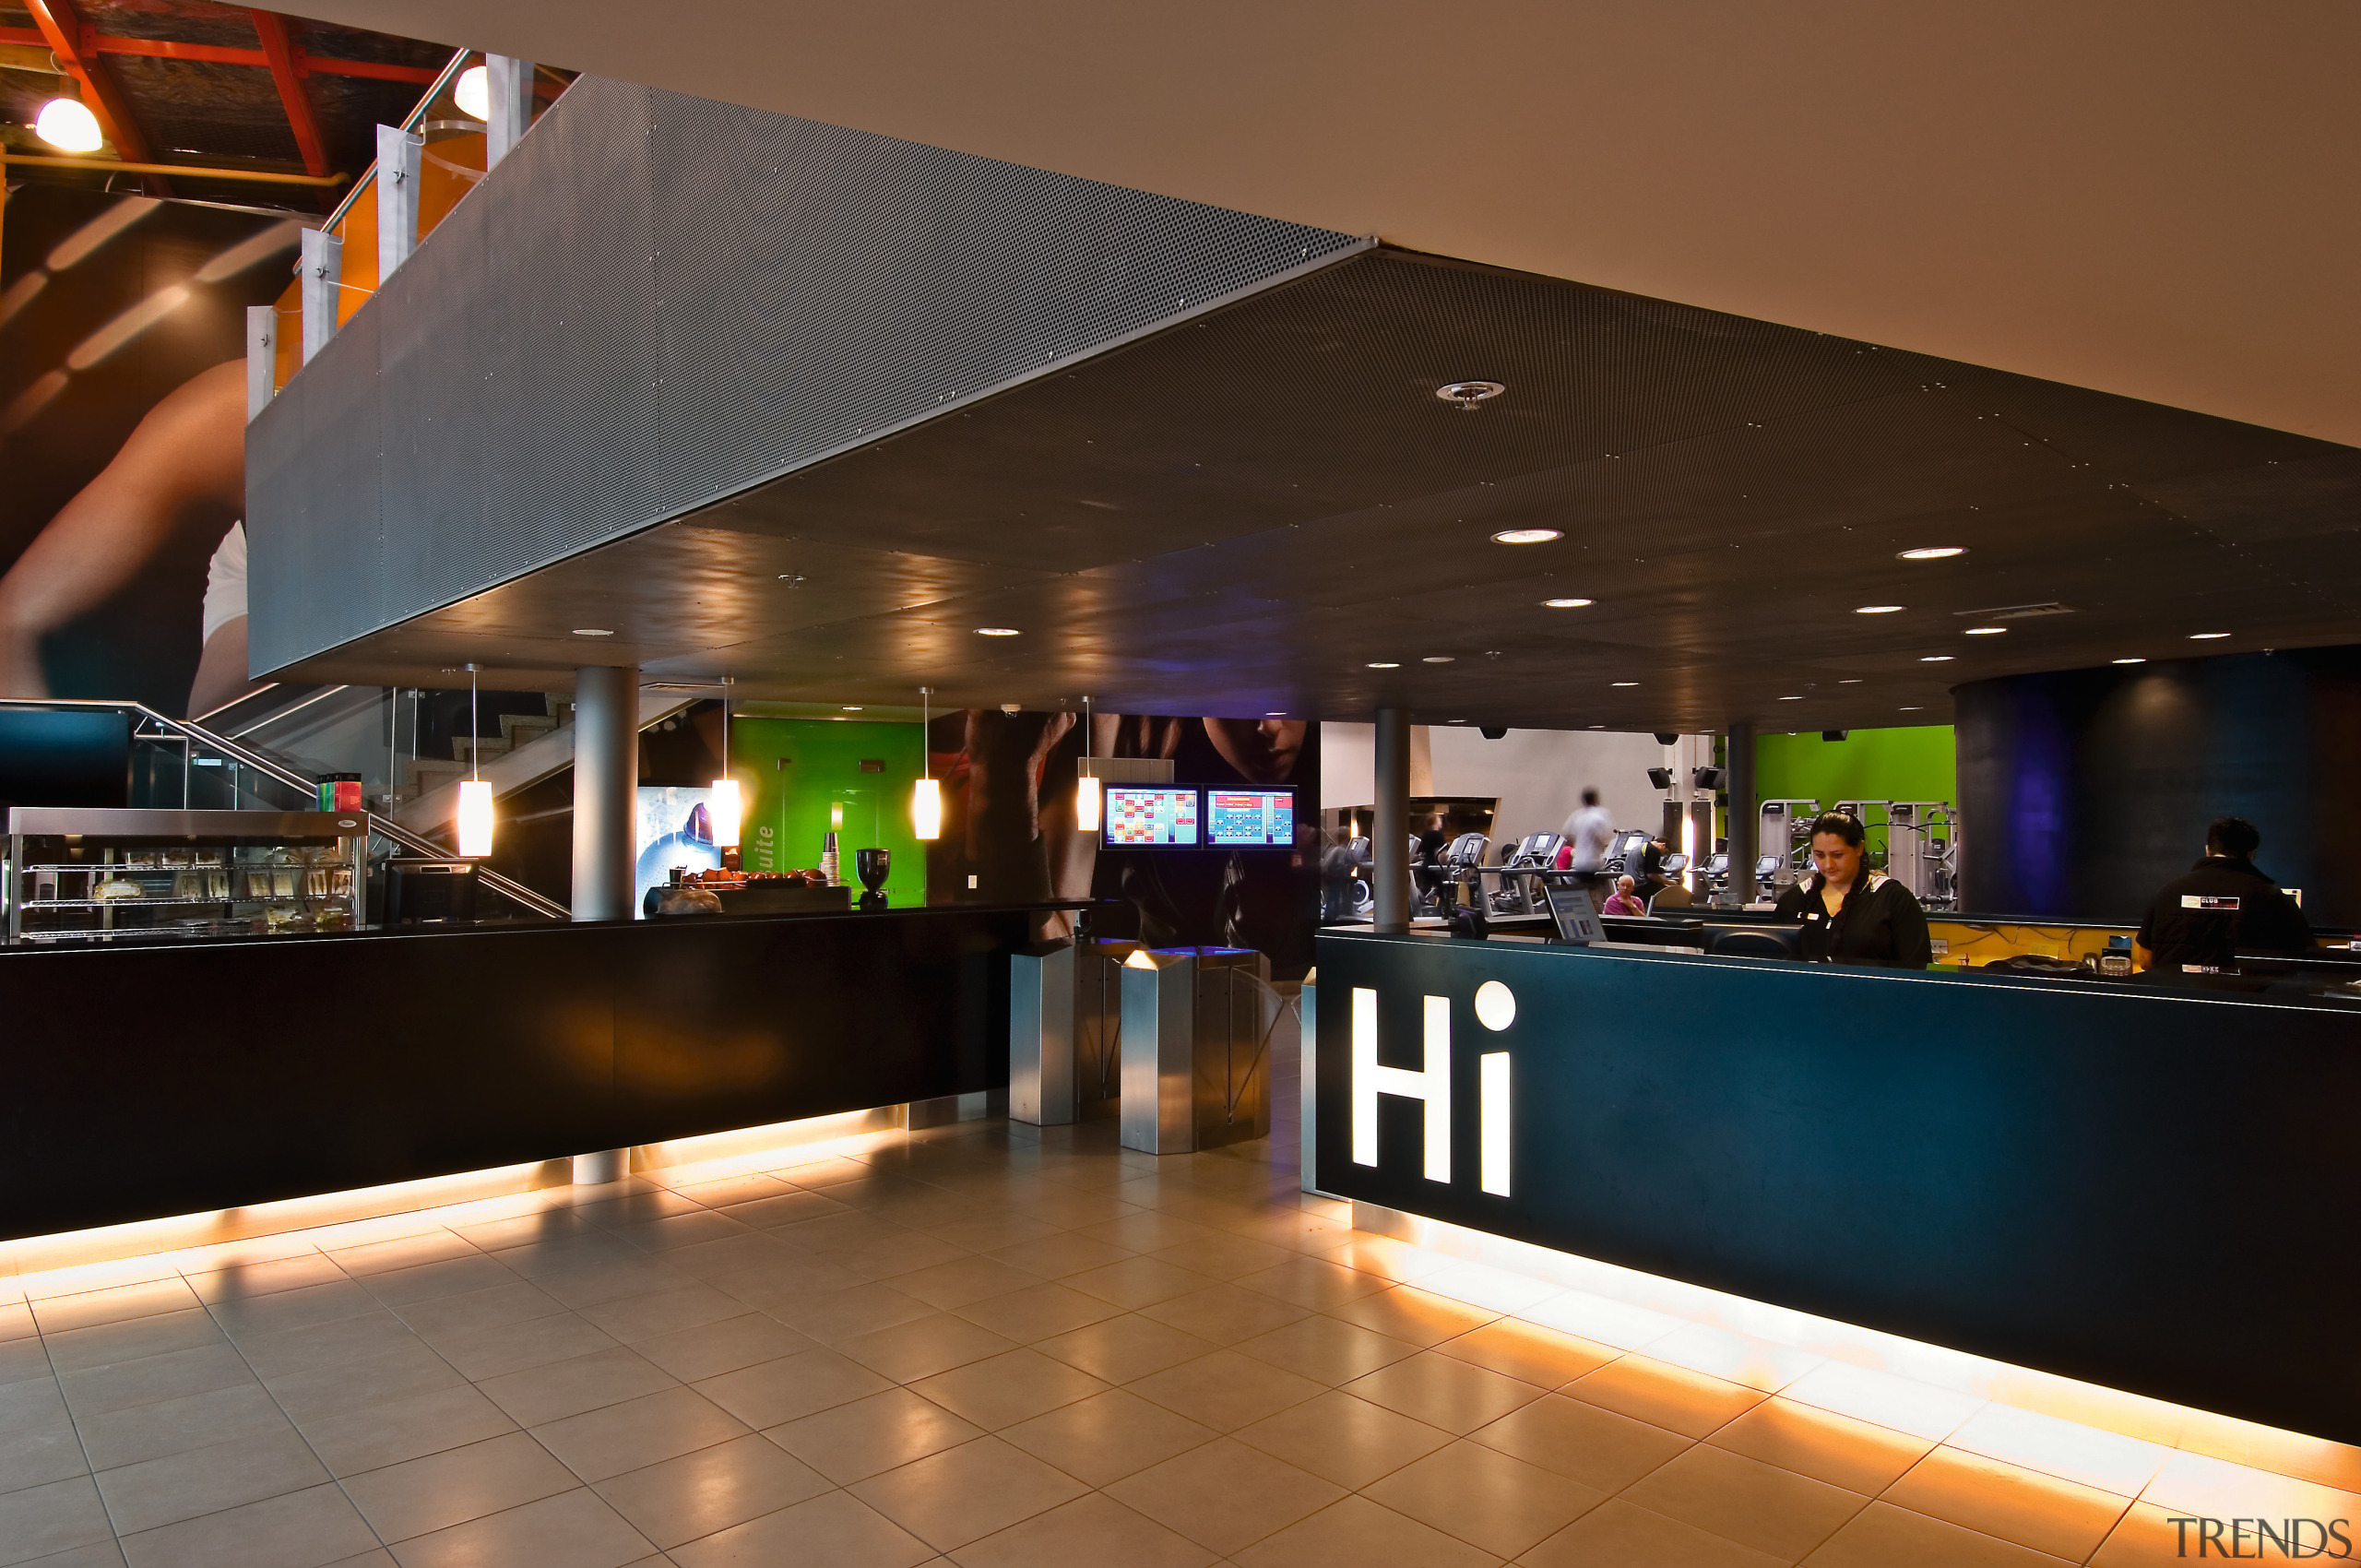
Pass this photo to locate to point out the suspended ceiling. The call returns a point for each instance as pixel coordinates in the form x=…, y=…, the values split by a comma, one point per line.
x=1242, y=515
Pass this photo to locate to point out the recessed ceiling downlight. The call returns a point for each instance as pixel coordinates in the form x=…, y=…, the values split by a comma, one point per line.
x=2207, y=636
x=592, y=632
x=1936, y=658
x=1879, y=609
x=998, y=632
x=1528, y=535
x=1385, y=664
x=2131, y=661
x=1565, y=604
x=1986, y=631
x=1469, y=395
x=1932, y=552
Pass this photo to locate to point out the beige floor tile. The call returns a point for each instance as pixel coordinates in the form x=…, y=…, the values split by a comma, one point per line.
x=150, y=1432
x=1582, y=1442
x=868, y=1437
x=2046, y=1513
x=1406, y=1313
x=791, y=1387
x=1480, y=1285
x=2195, y=1484
x=1384, y=1256
x=41, y=1520
x=1733, y=1357
x=964, y=1493
x=1063, y=1252
x=1345, y=1440
x=574, y=1529
x=1327, y=1350
x=1622, y=1534
x=1107, y=1436
x=1152, y=1230
x=710, y=1349
x=1457, y=1395
x=834, y=1528
x=836, y=1314
x=637, y=1433
x=1313, y=1283
x=1485, y=1498
x=402, y=1252
x=569, y=1388
x=887, y=1257
x=252, y=1281
x=1528, y=1352
x=1223, y=1255
x=2147, y=1537
x=1663, y=1394
x=805, y=1282
x=963, y=1280
x=205, y=1481
x=1090, y=1532
x=1037, y=1312
x=85, y=1309
x=989, y=1230
x=632, y=1318
x=1883, y=1399
x=1224, y=1390
x=298, y=1308
x=1223, y=1495
x=1858, y=1456
x=1356, y=1532
x=377, y=1435
x=132, y=1339
x=1005, y=1389
x=1772, y=1510
x=712, y=1489
x=313, y=1395
x=441, y=1317
x=1224, y=1314
x=923, y=1347
x=789, y=1206
x=2065, y=1449
x=297, y=1530
x=458, y=1484
x=1121, y=1348
x=1138, y=1282
x=464, y=1274
x=1882, y=1536
x=497, y=1349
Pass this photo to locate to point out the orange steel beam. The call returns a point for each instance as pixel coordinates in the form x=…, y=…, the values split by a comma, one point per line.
x=60, y=29
x=95, y=43
x=280, y=51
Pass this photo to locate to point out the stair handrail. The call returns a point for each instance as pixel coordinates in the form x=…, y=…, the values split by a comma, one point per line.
x=245, y=757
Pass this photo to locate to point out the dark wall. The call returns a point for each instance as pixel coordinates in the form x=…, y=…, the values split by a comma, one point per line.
x=2085, y=790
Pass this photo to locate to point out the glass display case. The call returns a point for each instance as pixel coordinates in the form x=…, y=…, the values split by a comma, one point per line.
x=78, y=876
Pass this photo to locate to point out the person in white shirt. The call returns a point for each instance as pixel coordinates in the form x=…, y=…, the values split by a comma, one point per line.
x=1590, y=833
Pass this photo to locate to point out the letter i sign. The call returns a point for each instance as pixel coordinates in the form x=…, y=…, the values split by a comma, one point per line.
x=1496, y=1010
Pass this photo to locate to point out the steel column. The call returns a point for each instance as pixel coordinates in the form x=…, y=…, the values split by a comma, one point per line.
x=606, y=780
x=322, y=278
x=510, y=85
x=399, y=156
x=1744, y=825
x=1390, y=835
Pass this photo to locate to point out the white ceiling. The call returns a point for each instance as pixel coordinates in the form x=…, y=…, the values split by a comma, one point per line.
x=2152, y=197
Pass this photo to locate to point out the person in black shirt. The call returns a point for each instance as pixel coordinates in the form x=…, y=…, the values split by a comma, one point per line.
x=1851, y=914
x=2199, y=921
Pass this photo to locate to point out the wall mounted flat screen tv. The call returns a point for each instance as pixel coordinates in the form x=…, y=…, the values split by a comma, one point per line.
x=1151, y=816
x=1250, y=819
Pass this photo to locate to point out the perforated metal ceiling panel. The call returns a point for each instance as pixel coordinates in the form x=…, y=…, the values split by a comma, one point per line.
x=656, y=301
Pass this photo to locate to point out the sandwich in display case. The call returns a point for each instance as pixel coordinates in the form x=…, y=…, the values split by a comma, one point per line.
x=80, y=875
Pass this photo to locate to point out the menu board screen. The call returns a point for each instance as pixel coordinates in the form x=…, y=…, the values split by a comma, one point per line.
x=1150, y=816
x=1250, y=819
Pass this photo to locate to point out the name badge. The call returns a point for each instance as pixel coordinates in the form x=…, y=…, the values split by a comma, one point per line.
x=2202, y=901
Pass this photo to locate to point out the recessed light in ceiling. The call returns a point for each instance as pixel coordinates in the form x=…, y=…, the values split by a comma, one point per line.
x=997, y=632
x=1437, y=658
x=1936, y=658
x=851, y=707
x=1879, y=608
x=1986, y=631
x=2131, y=661
x=1383, y=664
x=592, y=632
x=1528, y=535
x=1850, y=681
x=1276, y=713
x=1791, y=699
x=1913, y=710
x=2206, y=636
x=1565, y=603
x=1932, y=552
x=1623, y=682
x=1467, y=394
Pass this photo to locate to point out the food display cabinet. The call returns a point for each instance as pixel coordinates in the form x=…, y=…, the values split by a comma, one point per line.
x=80, y=875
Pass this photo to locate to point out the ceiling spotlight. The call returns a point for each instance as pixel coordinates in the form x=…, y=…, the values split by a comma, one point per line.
x=2131, y=661
x=1913, y=710
x=2206, y=636
x=1936, y=658
x=1468, y=395
x=1436, y=659
x=997, y=632
x=1528, y=535
x=592, y=632
x=67, y=125
x=1383, y=664
x=851, y=709
x=472, y=93
x=1986, y=631
x=1565, y=603
x=1623, y=682
x=792, y=579
x=1932, y=552
x=1791, y=699
x=1276, y=713
x=1850, y=681
x=1878, y=609
x=1459, y=722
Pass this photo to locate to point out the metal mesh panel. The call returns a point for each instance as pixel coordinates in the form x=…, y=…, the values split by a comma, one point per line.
x=658, y=300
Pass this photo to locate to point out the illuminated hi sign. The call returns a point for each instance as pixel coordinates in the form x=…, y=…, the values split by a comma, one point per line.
x=1496, y=1010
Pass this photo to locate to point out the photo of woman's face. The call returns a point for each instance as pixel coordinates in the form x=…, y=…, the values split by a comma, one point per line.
x=1263, y=751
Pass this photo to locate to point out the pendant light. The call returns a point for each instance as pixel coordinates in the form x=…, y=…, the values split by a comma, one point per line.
x=724, y=810
x=67, y=125
x=1086, y=784
x=926, y=795
x=475, y=795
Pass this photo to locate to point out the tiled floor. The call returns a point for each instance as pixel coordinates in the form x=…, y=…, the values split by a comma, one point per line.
x=993, y=1347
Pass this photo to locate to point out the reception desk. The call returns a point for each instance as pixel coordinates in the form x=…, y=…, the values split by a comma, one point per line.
x=181, y=1078
x=2150, y=1189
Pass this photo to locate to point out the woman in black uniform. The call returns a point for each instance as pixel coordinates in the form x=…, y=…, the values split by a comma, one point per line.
x=1851, y=914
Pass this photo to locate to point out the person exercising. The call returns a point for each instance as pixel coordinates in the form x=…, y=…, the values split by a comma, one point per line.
x=2199, y=921
x=1851, y=914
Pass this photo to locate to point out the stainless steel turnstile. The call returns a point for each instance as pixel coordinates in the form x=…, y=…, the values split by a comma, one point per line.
x=1196, y=1046
x=1065, y=1020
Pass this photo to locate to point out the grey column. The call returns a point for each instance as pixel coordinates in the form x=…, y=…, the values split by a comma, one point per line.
x=1745, y=824
x=508, y=83
x=1390, y=836
x=606, y=776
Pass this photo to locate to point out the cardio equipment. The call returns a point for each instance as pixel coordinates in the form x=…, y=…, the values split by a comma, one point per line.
x=1522, y=895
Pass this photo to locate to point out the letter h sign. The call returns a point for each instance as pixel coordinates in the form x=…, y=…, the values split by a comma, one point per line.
x=1431, y=1084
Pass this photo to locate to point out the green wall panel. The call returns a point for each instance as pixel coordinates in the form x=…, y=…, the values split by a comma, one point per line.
x=1914, y=764
x=794, y=770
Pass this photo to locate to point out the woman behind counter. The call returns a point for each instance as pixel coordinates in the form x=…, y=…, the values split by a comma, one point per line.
x=1851, y=914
